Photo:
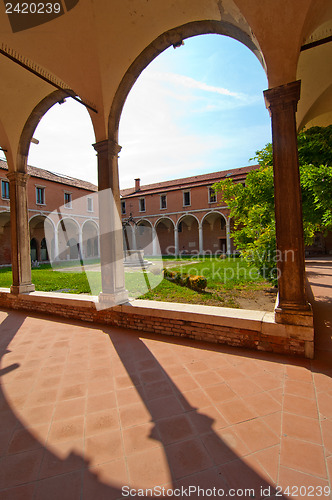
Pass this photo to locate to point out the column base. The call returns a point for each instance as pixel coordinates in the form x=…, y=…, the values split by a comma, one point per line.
x=294, y=316
x=17, y=289
x=106, y=300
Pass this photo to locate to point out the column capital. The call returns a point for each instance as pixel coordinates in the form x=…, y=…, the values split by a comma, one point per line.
x=107, y=147
x=21, y=178
x=283, y=97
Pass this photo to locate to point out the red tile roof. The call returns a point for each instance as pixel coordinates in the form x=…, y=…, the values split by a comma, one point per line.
x=197, y=180
x=40, y=173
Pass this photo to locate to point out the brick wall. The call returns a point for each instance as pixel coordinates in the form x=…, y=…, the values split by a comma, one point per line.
x=259, y=332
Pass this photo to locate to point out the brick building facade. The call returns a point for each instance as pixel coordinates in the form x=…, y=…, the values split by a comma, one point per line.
x=55, y=202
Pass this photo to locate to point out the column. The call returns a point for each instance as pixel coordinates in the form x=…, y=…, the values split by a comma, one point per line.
x=292, y=301
x=154, y=242
x=228, y=237
x=111, y=240
x=133, y=232
x=176, y=240
x=200, y=238
x=20, y=235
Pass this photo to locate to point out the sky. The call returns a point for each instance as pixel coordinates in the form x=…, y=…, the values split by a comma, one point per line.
x=195, y=109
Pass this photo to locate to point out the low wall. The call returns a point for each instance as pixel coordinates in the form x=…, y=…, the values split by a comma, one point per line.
x=234, y=327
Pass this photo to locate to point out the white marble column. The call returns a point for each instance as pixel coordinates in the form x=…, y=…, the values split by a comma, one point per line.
x=200, y=238
x=228, y=237
x=111, y=239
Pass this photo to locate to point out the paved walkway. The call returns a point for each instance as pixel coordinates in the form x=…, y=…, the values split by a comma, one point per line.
x=87, y=410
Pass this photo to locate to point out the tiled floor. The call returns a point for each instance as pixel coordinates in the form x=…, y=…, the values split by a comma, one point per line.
x=88, y=410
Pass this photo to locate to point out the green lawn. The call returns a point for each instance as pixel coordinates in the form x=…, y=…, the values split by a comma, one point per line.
x=227, y=280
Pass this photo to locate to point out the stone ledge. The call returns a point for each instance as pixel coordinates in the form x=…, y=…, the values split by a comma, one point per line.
x=247, y=328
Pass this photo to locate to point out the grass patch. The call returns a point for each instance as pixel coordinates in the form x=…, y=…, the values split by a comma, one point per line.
x=230, y=281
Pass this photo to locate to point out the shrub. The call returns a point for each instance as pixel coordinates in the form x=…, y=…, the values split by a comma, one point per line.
x=197, y=283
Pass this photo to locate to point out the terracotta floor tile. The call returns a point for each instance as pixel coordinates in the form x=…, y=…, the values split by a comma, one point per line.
x=63, y=457
x=236, y=411
x=299, y=388
x=140, y=438
x=220, y=393
x=175, y=429
x=66, y=487
x=28, y=439
x=8, y=421
x=128, y=396
x=303, y=456
x=240, y=476
x=156, y=390
x=134, y=414
x=323, y=382
x=325, y=404
x=269, y=460
x=69, y=408
x=101, y=402
x=244, y=386
x=20, y=468
x=188, y=457
x=326, y=426
x=196, y=366
x=273, y=421
x=148, y=468
x=65, y=430
x=295, y=480
x=24, y=492
x=296, y=426
x=256, y=434
x=99, y=386
x=268, y=382
x=124, y=381
x=102, y=421
x=185, y=382
x=105, y=482
x=72, y=391
x=262, y=404
x=206, y=419
x=228, y=372
x=41, y=398
x=224, y=446
x=104, y=447
x=298, y=373
x=300, y=406
x=164, y=407
x=208, y=378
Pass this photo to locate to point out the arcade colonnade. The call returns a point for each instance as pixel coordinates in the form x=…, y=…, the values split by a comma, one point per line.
x=161, y=235
x=111, y=45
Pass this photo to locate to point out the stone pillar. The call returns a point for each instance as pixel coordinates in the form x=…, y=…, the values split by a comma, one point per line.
x=111, y=239
x=20, y=235
x=133, y=232
x=228, y=237
x=200, y=238
x=292, y=304
x=154, y=242
x=176, y=240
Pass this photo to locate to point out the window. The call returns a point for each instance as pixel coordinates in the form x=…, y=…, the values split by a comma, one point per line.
x=123, y=207
x=68, y=200
x=142, y=205
x=212, y=195
x=163, y=201
x=40, y=195
x=186, y=198
x=5, y=190
x=90, y=204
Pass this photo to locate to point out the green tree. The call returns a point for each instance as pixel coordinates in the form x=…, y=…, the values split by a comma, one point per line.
x=252, y=206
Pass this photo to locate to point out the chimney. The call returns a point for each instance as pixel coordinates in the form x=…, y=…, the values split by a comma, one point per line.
x=137, y=184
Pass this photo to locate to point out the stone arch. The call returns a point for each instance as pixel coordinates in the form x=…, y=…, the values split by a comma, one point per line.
x=144, y=236
x=214, y=232
x=90, y=239
x=41, y=228
x=165, y=230
x=167, y=39
x=69, y=238
x=188, y=233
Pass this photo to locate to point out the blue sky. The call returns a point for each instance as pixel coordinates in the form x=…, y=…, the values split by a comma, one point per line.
x=195, y=109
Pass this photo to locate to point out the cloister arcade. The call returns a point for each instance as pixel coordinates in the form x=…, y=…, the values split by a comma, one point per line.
x=290, y=40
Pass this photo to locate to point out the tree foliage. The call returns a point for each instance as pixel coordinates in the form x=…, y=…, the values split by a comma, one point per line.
x=252, y=206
